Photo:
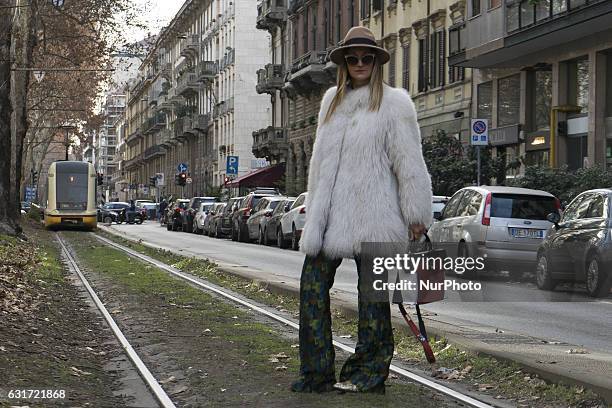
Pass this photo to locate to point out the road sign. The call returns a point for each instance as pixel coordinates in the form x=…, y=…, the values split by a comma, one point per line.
x=182, y=168
x=232, y=165
x=30, y=194
x=161, y=180
x=189, y=180
x=480, y=132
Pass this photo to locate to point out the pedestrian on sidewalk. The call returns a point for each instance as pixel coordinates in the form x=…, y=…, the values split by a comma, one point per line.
x=367, y=182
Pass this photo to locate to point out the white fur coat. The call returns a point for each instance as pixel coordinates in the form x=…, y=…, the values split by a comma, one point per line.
x=367, y=178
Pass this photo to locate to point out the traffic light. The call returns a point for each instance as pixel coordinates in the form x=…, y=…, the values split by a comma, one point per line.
x=226, y=180
x=152, y=181
x=100, y=179
x=180, y=179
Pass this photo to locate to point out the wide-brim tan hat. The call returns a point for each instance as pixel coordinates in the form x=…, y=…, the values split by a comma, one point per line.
x=359, y=37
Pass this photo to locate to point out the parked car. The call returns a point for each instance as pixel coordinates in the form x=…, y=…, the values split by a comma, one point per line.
x=438, y=204
x=108, y=212
x=150, y=210
x=503, y=224
x=292, y=223
x=140, y=203
x=225, y=226
x=578, y=248
x=256, y=224
x=273, y=226
x=213, y=222
x=200, y=217
x=174, y=217
x=192, y=208
x=239, y=219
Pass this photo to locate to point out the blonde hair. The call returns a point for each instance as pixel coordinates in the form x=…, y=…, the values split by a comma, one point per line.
x=343, y=80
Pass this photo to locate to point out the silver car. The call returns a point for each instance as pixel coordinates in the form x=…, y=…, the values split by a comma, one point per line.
x=505, y=225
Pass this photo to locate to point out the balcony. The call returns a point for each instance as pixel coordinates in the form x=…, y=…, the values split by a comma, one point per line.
x=133, y=137
x=134, y=162
x=184, y=128
x=216, y=110
x=271, y=14
x=228, y=59
x=308, y=72
x=166, y=71
x=201, y=122
x=208, y=70
x=226, y=106
x=154, y=151
x=154, y=123
x=270, y=142
x=190, y=46
x=165, y=138
x=154, y=96
x=187, y=84
x=294, y=6
x=270, y=79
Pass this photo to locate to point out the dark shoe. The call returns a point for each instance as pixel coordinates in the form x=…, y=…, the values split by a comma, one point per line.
x=304, y=385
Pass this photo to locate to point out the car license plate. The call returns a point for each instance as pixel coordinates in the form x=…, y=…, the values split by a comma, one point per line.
x=526, y=233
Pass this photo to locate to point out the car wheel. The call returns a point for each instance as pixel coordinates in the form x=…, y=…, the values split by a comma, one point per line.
x=169, y=227
x=108, y=219
x=280, y=241
x=139, y=221
x=462, y=252
x=295, y=243
x=597, y=280
x=544, y=278
x=243, y=236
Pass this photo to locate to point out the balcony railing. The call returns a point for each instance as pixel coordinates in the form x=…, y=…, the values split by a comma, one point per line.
x=522, y=14
x=308, y=72
x=228, y=59
x=190, y=46
x=270, y=141
x=165, y=137
x=208, y=70
x=133, y=162
x=133, y=137
x=270, y=78
x=187, y=84
x=154, y=123
x=154, y=151
x=270, y=14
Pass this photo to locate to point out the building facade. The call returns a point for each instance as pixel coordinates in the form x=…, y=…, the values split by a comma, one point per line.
x=543, y=78
x=105, y=144
x=194, y=101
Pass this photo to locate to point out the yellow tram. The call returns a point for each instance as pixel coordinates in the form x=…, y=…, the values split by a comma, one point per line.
x=71, y=197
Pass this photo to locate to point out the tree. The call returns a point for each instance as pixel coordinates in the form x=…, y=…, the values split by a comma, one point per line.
x=453, y=166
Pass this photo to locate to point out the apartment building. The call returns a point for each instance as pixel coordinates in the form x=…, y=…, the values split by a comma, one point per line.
x=420, y=35
x=194, y=101
x=542, y=76
x=105, y=140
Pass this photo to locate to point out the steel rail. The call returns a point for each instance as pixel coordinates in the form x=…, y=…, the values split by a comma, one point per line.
x=466, y=399
x=157, y=390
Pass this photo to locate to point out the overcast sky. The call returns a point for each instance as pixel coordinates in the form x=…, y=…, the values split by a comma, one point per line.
x=156, y=14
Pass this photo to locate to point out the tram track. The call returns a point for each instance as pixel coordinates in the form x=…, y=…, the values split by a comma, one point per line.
x=204, y=285
x=156, y=389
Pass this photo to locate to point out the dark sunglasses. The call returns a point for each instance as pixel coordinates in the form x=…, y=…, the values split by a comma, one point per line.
x=367, y=59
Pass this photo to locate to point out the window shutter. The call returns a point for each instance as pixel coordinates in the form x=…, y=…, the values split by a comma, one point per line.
x=442, y=57
x=432, y=61
x=392, y=68
x=406, y=67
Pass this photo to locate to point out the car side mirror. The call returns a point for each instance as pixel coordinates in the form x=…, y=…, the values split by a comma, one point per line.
x=437, y=215
x=287, y=208
x=554, y=218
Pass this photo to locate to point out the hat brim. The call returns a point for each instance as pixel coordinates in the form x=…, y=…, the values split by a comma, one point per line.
x=337, y=54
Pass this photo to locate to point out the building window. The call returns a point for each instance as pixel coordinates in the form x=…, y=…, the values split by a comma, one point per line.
x=542, y=99
x=351, y=11
x=338, y=22
x=305, y=33
x=295, y=43
x=392, y=68
x=377, y=5
x=406, y=67
x=456, y=39
x=437, y=59
x=313, y=32
x=364, y=9
x=578, y=83
x=475, y=7
x=508, y=100
x=423, y=65
x=325, y=24
x=485, y=100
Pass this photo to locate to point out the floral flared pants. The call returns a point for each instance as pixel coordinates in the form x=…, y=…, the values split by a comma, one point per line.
x=368, y=367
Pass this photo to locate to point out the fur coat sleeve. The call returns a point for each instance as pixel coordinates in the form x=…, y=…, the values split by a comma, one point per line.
x=405, y=152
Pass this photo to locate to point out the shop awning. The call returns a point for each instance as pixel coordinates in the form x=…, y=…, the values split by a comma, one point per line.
x=264, y=177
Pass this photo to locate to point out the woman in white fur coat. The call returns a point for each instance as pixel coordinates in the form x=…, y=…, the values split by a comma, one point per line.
x=367, y=182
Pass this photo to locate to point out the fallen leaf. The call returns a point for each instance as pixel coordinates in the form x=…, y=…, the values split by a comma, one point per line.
x=295, y=345
x=167, y=380
x=223, y=389
x=281, y=355
x=179, y=390
x=484, y=387
x=281, y=368
x=79, y=372
x=577, y=351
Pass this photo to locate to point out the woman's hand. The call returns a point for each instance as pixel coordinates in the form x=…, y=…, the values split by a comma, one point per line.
x=417, y=231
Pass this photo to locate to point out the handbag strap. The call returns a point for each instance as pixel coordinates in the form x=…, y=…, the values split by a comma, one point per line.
x=421, y=322
x=431, y=358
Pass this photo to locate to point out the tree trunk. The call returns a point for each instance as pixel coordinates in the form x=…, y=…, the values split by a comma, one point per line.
x=8, y=223
x=24, y=39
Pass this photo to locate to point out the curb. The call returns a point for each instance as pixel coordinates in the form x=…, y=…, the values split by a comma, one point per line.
x=598, y=384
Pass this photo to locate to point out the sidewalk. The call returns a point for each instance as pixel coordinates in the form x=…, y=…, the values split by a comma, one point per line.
x=592, y=370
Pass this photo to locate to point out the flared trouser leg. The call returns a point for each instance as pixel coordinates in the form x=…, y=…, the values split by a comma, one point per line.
x=368, y=367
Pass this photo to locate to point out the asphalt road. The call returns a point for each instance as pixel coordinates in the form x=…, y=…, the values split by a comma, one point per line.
x=572, y=318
